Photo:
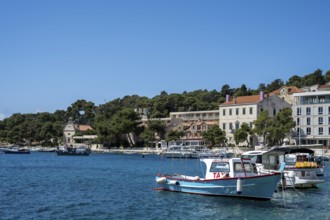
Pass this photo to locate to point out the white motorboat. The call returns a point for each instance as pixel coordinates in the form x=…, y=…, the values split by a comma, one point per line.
x=233, y=177
x=299, y=174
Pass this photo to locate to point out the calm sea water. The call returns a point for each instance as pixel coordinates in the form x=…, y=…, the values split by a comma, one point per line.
x=119, y=186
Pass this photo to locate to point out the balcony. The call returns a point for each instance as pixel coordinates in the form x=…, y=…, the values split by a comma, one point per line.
x=314, y=100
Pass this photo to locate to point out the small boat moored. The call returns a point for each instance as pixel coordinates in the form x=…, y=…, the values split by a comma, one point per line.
x=298, y=172
x=16, y=150
x=234, y=177
x=73, y=151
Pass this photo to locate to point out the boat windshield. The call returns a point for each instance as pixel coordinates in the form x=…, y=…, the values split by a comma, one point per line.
x=254, y=158
x=219, y=167
x=249, y=168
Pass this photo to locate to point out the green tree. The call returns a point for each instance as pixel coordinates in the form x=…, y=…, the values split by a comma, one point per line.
x=148, y=135
x=243, y=91
x=61, y=116
x=154, y=127
x=160, y=106
x=105, y=134
x=225, y=90
x=274, y=130
x=276, y=84
x=123, y=123
x=215, y=135
x=327, y=76
x=313, y=78
x=282, y=125
x=262, y=87
x=157, y=126
x=82, y=111
x=242, y=134
x=262, y=125
x=173, y=135
x=135, y=102
x=294, y=81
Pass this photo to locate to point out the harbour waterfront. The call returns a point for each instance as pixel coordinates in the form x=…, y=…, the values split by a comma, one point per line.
x=120, y=186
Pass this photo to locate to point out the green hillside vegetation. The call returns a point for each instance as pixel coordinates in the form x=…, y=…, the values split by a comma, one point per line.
x=112, y=120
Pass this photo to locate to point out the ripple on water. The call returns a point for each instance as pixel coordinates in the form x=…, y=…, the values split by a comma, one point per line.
x=108, y=186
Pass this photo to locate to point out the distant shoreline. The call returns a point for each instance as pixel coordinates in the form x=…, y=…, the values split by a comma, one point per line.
x=130, y=151
x=148, y=150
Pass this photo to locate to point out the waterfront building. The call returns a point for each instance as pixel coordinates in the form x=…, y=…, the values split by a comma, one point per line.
x=316, y=88
x=246, y=109
x=323, y=88
x=193, y=123
x=311, y=112
x=286, y=92
x=230, y=115
x=74, y=135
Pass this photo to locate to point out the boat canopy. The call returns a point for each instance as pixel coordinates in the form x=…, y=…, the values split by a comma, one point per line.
x=291, y=150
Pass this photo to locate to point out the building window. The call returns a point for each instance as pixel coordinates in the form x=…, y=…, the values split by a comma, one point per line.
x=308, y=111
x=237, y=125
x=329, y=130
x=298, y=111
x=328, y=120
x=237, y=111
x=244, y=111
x=298, y=131
x=320, y=131
x=329, y=110
x=251, y=110
x=230, y=126
x=320, y=110
x=230, y=111
x=298, y=121
x=308, y=131
x=223, y=126
x=308, y=121
x=251, y=124
x=320, y=120
x=224, y=112
x=261, y=109
x=274, y=112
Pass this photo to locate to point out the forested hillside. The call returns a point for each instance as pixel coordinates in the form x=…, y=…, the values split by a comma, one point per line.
x=117, y=117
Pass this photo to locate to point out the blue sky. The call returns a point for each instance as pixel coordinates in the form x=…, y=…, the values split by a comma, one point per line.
x=54, y=52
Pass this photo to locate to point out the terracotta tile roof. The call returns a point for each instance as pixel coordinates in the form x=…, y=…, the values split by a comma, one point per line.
x=324, y=86
x=291, y=90
x=83, y=127
x=243, y=100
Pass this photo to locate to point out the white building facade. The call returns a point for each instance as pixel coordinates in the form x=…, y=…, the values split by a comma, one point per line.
x=246, y=109
x=311, y=112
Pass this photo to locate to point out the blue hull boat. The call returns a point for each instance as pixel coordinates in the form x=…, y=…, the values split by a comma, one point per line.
x=16, y=150
x=226, y=177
